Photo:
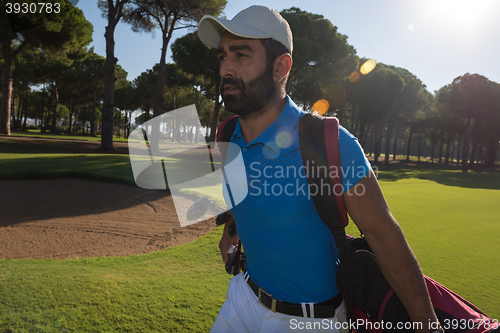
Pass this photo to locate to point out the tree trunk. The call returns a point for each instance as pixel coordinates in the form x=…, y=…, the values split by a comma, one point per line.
x=84, y=121
x=491, y=152
x=53, y=130
x=25, y=110
x=20, y=110
x=17, y=114
x=76, y=119
x=448, y=149
x=395, y=144
x=433, y=144
x=71, y=120
x=409, y=143
x=114, y=15
x=353, y=120
x=441, y=144
x=480, y=158
x=452, y=150
x=465, y=151
x=92, y=118
x=458, y=147
x=388, y=143
x=419, y=140
x=47, y=118
x=13, y=107
x=215, y=118
x=377, y=135
x=7, y=80
x=474, y=145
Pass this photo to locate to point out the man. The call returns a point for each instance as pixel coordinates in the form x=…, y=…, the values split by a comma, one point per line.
x=291, y=254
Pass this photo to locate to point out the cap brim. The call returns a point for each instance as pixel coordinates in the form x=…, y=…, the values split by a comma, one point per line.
x=210, y=30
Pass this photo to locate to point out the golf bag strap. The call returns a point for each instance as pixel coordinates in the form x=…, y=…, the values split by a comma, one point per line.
x=224, y=133
x=226, y=129
x=337, y=226
x=318, y=138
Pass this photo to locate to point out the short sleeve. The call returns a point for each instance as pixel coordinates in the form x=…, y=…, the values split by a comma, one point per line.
x=354, y=164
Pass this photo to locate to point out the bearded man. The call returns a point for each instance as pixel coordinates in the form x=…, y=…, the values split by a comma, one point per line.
x=291, y=255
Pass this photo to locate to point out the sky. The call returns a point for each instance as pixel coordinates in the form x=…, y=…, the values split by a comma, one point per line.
x=436, y=40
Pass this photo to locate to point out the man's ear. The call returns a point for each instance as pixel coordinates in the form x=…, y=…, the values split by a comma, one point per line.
x=282, y=66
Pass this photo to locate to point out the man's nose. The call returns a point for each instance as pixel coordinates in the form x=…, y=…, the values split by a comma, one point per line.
x=227, y=68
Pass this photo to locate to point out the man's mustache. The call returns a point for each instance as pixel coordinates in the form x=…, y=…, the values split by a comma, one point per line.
x=236, y=83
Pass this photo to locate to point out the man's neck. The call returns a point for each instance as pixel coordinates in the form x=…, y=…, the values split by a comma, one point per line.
x=253, y=126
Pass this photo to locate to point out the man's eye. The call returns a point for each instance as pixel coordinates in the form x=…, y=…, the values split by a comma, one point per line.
x=241, y=55
x=221, y=57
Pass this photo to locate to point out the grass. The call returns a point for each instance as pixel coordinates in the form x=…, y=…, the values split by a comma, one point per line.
x=177, y=290
x=453, y=232
x=111, y=168
x=449, y=218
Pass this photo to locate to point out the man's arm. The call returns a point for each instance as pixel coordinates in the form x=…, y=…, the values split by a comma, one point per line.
x=371, y=214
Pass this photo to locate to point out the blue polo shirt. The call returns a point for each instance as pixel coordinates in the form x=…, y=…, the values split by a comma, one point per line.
x=290, y=252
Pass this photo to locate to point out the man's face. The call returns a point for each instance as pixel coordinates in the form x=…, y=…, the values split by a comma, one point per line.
x=247, y=81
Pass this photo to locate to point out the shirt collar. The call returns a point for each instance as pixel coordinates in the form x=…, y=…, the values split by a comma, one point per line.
x=279, y=134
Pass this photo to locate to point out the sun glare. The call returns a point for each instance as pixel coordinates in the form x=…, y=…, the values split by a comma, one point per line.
x=463, y=14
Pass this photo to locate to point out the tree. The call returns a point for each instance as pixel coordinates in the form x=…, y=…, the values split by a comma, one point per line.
x=468, y=96
x=414, y=97
x=491, y=131
x=375, y=96
x=195, y=58
x=92, y=83
x=23, y=77
x=143, y=86
x=168, y=16
x=127, y=101
x=321, y=57
x=53, y=31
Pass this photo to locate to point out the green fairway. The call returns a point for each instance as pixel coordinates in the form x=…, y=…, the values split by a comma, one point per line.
x=114, y=168
x=177, y=290
x=453, y=232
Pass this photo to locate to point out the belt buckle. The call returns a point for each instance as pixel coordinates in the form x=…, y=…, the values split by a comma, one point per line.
x=273, y=300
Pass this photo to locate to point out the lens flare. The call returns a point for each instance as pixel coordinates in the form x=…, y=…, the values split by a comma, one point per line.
x=367, y=67
x=284, y=138
x=321, y=106
x=354, y=77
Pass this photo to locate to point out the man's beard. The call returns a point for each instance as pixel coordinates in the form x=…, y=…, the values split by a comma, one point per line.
x=253, y=96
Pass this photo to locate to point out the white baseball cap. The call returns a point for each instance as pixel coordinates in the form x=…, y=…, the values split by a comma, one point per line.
x=257, y=22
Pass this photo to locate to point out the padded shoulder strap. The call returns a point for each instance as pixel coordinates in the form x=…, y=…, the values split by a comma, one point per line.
x=226, y=129
x=331, y=137
x=318, y=139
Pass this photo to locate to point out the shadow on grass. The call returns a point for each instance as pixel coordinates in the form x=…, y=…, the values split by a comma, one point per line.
x=446, y=175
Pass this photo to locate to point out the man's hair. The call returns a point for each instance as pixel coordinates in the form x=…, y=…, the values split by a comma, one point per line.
x=273, y=50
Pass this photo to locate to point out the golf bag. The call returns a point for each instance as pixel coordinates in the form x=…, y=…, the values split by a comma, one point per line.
x=369, y=299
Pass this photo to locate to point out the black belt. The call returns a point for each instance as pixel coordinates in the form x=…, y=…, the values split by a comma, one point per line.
x=309, y=310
